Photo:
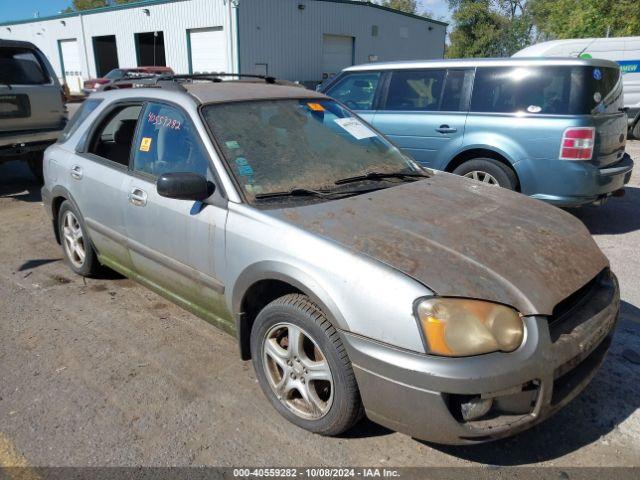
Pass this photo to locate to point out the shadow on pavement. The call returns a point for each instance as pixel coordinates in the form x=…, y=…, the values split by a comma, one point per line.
x=16, y=181
x=612, y=396
x=617, y=216
x=31, y=264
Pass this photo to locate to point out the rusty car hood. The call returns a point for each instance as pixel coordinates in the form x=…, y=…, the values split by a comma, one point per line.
x=462, y=238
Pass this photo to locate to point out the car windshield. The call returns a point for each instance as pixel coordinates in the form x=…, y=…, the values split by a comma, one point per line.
x=115, y=74
x=283, y=145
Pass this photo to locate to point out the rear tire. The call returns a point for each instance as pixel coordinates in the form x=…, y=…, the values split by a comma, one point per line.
x=490, y=171
x=76, y=245
x=310, y=381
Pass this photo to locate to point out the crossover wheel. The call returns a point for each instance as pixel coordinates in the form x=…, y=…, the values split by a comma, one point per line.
x=489, y=171
x=303, y=368
x=77, y=248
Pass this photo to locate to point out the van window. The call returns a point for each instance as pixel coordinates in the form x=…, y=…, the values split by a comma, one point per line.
x=546, y=90
x=356, y=90
x=21, y=66
x=412, y=90
x=455, y=96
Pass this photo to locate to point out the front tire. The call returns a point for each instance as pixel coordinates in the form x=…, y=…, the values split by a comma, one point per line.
x=303, y=368
x=489, y=171
x=78, y=250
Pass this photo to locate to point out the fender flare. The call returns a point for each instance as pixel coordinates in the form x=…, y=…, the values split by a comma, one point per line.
x=275, y=270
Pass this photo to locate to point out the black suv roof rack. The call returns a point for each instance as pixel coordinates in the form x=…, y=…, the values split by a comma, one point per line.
x=176, y=80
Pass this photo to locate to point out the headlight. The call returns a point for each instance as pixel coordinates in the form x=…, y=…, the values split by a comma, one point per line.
x=457, y=327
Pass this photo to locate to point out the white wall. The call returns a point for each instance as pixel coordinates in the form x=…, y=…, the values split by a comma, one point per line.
x=173, y=18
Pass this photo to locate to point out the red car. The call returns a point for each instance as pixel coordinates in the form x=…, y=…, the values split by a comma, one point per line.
x=95, y=84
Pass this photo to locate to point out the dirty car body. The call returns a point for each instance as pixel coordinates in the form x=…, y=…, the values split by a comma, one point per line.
x=394, y=263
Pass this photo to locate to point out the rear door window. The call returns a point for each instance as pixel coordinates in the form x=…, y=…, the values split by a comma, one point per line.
x=357, y=90
x=112, y=140
x=168, y=142
x=455, y=97
x=415, y=90
x=87, y=107
x=555, y=90
x=21, y=66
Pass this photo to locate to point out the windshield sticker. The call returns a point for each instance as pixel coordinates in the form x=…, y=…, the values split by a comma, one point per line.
x=534, y=109
x=597, y=74
x=232, y=145
x=316, y=107
x=356, y=128
x=244, y=169
x=597, y=97
x=164, y=121
x=145, y=144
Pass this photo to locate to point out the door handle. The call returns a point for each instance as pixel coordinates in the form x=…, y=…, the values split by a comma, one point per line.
x=446, y=129
x=76, y=172
x=138, y=197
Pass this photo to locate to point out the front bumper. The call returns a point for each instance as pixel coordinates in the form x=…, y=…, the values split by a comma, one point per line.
x=567, y=183
x=420, y=395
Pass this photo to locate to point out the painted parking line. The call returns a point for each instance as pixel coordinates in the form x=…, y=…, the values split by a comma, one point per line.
x=15, y=466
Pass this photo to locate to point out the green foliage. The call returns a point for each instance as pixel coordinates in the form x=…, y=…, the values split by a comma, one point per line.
x=485, y=28
x=489, y=28
x=77, y=5
x=409, y=6
x=585, y=18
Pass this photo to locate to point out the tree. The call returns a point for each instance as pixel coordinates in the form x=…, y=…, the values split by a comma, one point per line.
x=408, y=6
x=557, y=19
x=79, y=5
x=489, y=28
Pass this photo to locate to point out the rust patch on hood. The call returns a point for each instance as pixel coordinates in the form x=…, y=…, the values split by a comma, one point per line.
x=462, y=238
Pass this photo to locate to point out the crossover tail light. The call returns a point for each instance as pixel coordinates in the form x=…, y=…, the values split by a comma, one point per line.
x=577, y=143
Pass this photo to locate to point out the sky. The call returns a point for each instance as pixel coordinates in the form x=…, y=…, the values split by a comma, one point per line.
x=20, y=10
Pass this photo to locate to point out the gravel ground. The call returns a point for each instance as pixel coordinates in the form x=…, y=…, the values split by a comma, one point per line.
x=104, y=372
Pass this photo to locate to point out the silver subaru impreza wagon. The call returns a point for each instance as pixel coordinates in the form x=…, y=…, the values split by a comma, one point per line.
x=355, y=280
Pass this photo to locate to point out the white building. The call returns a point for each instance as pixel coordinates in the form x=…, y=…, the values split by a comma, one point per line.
x=303, y=40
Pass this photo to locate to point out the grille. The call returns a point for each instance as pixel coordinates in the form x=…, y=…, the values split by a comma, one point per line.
x=581, y=305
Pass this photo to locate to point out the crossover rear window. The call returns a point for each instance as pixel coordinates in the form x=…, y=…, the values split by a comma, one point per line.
x=21, y=66
x=558, y=90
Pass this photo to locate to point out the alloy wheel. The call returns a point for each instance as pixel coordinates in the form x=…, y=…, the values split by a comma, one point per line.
x=297, y=371
x=483, y=177
x=73, y=240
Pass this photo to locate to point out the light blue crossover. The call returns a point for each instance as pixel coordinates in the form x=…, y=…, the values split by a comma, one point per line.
x=554, y=129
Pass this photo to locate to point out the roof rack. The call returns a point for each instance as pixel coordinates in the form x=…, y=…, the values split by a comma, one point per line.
x=164, y=80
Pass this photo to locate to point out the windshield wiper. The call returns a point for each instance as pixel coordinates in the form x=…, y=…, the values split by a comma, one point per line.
x=294, y=192
x=381, y=176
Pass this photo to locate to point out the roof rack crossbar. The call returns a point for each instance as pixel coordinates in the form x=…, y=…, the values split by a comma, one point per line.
x=173, y=80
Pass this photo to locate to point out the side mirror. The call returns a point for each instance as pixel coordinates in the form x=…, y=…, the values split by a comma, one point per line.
x=184, y=186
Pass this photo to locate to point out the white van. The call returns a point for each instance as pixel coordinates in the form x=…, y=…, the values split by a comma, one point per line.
x=623, y=50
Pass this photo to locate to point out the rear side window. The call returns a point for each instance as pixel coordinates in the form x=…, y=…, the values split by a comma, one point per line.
x=114, y=137
x=87, y=107
x=21, y=66
x=551, y=90
x=356, y=90
x=415, y=90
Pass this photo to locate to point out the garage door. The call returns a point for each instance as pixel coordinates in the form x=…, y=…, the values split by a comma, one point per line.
x=337, y=53
x=72, y=66
x=208, y=52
